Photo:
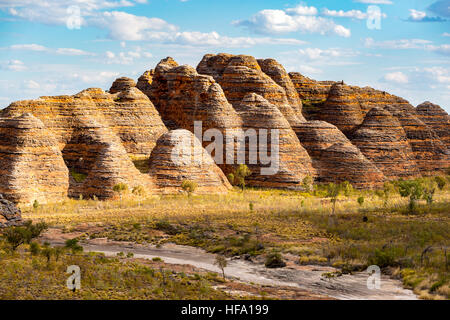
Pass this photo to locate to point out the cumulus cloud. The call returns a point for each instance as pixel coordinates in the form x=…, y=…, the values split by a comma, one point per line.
x=301, y=18
x=396, y=77
x=353, y=14
x=126, y=57
x=421, y=16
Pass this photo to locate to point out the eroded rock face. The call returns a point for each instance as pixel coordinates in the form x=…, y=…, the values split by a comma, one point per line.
x=382, y=140
x=145, y=81
x=430, y=153
x=342, y=109
x=309, y=89
x=122, y=84
x=278, y=74
x=436, y=117
x=130, y=114
x=240, y=75
x=10, y=214
x=105, y=163
x=178, y=157
x=335, y=158
x=31, y=166
x=293, y=163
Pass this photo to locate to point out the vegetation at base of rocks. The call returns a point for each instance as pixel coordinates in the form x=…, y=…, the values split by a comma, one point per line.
x=289, y=222
x=78, y=176
x=16, y=236
x=142, y=164
x=27, y=276
x=274, y=260
x=189, y=186
x=237, y=178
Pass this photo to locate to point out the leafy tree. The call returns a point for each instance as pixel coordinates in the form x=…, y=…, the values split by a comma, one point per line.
x=386, y=192
x=73, y=245
x=307, y=184
x=240, y=174
x=361, y=200
x=17, y=236
x=189, y=186
x=413, y=189
x=346, y=188
x=222, y=263
x=120, y=188
x=333, y=191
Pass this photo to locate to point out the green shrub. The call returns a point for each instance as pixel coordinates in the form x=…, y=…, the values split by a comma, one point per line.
x=189, y=186
x=274, y=260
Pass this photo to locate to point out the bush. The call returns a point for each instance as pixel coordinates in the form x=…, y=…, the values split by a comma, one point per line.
x=73, y=245
x=440, y=181
x=16, y=236
x=189, y=186
x=34, y=248
x=274, y=260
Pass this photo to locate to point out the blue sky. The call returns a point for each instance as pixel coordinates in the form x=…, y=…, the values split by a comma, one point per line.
x=52, y=47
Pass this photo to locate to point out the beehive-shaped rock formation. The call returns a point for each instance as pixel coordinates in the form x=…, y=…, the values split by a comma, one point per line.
x=291, y=165
x=145, y=81
x=103, y=161
x=278, y=74
x=336, y=158
x=130, y=114
x=31, y=165
x=430, y=153
x=436, y=117
x=240, y=75
x=178, y=157
x=342, y=108
x=382, y=140
x=122, y=84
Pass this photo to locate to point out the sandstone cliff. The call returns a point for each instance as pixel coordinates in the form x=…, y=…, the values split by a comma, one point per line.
x=336, y=158
x=31, y=165
x=436, y=118
x=293, y=163
x=178, y=157
x=382, y=140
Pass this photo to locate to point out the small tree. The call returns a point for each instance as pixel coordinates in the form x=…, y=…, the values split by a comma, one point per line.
x=440, y=182
x=333, y=191
x=139, y=191
x=222, y=263
x=17, y=236
x=413, y=189
x=386, y=192
x=361, y=201
x=240, y=174
x=120, y=188
x=189, y=186
x=346, y=188
x=307, y=184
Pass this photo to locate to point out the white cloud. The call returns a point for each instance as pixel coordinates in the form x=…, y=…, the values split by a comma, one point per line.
x=73, y=52
x=31, y=84
x=125, y=26
x=397, y=44
x=302, y=11
x=321, y=54
x=416, y=15
x=396, y=77
x=127, y=57
x=14, y=65
x=301, y=19
x=375, y=1
x=31, y=47
x=446, y=34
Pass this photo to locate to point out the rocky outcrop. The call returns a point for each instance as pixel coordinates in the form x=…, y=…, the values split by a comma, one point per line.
x=265, y=121
x=436, y=118
x=335, y=158
x=145, y=81
x=31, y=165
x=431, y=155
x=178, y=157
x=382, y=140
x=342, y=108
x=369, y=98
x=122, y=84
x=278, y=74
x=309, y=89
x=240, y=75
x=10, y=214
x=130, y=114
x=103, y=163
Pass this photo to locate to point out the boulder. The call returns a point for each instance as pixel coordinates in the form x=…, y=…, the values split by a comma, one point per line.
x=122, y=84
x=10, y=214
